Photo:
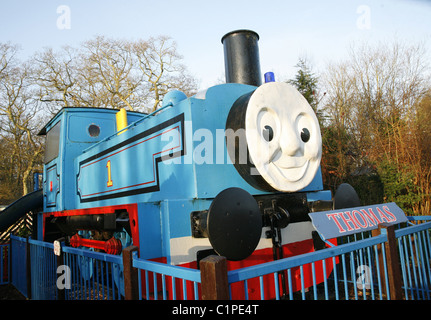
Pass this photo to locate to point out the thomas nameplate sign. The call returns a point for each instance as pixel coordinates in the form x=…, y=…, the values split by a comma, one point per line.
x=341, y=222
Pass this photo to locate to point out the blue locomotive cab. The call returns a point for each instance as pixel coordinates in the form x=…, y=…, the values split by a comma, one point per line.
x=68, y=134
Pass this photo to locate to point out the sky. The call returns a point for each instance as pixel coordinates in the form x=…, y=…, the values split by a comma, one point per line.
x=321, y=31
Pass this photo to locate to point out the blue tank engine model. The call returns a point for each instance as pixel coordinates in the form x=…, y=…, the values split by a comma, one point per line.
x=233, y=170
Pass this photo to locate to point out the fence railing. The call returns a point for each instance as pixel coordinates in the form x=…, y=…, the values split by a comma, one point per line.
x=91, y=275
x=361, y=270
x=345, y=261
x=42, y=266
x=18, y=259
x=4, y=263
x=76, y=274
x=415, y=253
x=161, y=281
x=389, y=264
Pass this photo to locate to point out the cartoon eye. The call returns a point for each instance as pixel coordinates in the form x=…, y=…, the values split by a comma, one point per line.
x=268, y=122
x=305, y=135
x=268, y=133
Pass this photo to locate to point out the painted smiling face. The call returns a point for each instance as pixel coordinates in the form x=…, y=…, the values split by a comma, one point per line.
x=283, y=136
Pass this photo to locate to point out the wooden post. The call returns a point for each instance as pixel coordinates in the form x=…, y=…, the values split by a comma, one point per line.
x=214, y=281
x=130, y=274
x=392, y=262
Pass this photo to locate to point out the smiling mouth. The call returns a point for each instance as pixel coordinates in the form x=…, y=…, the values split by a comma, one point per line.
x=292, y=171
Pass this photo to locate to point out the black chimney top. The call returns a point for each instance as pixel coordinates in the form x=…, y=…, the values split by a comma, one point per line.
x=241, y=54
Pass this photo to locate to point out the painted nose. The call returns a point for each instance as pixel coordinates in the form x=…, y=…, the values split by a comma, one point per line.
x=290, y=143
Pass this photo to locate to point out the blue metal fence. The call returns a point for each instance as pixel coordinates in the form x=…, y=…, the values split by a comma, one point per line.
x=4, y=264
x=19, y=264
x=78, y=275
x=415, y=252
x=161, y=281
x=92, y=275
x=360, y=270
x=354, y=270
x=43, y=270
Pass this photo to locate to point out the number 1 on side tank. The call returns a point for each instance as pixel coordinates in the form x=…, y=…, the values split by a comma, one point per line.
x=110, y=183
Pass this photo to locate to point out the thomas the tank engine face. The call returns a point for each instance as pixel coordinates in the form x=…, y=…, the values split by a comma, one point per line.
x=282, y=135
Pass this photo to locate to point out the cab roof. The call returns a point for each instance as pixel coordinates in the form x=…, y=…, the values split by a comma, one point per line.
x=53, y=120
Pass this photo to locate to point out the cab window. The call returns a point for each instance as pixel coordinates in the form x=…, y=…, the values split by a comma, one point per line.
x=52, y=143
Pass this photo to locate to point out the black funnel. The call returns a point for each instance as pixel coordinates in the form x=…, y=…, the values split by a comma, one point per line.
x=241, y=56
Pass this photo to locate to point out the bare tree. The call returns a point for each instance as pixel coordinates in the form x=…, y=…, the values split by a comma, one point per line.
x=159, y=62
x=373, y=97
x=103, y=72
x=337, y=133
x=18, y=110
x=112, y=73
x=110, y=69
x=56, y=76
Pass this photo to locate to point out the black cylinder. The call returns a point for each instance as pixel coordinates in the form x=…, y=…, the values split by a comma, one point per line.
x=241, y=56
